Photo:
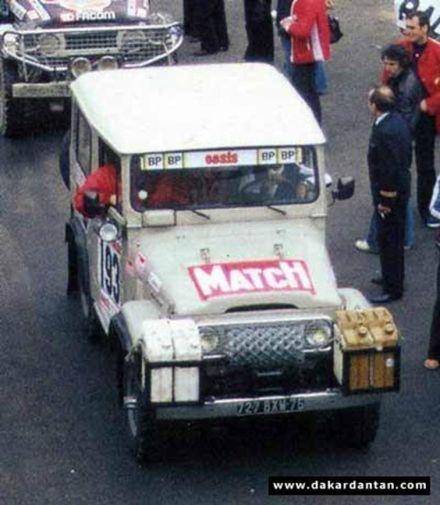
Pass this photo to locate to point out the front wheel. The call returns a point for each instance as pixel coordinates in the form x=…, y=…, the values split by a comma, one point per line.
x=357, y=427
x=10, y=108
x=138, y=416
x=18, y=116
x=90, y=324
x=64, y=160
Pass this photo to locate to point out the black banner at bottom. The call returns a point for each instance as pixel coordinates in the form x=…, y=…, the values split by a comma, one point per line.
x=349, y=486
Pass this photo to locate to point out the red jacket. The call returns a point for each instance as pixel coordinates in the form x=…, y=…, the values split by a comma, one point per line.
x=103, y=180
x=309, y=32
x=169, y=190
x=428, y=71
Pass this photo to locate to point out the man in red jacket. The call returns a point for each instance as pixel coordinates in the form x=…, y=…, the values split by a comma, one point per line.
x=425, y=53
x=309, y=31
x=102, y=181
x=168, y=190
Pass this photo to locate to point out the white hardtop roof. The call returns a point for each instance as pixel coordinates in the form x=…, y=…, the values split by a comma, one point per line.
x=190, y=107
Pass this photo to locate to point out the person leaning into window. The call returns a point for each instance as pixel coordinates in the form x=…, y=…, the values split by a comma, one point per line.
x=102, y=181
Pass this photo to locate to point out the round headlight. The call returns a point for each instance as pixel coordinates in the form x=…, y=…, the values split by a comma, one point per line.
x=49, y=44
x=108, y=232
x=10, y=41
x=318, y=334
x=132, y=41
x=160, y=18
x=107, y=63
x=209, y=341
x=80, y=66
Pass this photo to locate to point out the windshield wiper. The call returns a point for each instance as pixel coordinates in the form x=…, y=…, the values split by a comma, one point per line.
x=201, y=214
x=276, y=209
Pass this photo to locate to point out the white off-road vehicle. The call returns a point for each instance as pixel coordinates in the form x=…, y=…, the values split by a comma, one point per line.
x=45, y=44
x=210, y=273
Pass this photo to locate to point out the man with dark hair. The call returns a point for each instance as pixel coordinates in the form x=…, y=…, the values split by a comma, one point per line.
x=400, y=77
x=389, y=161
x=408, y=92
x=425, y=56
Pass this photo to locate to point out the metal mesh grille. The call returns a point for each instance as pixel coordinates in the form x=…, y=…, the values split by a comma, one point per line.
x=260, y=346
x=147, y=46
x=133, y=46
x=91, y=40
x=264, y=346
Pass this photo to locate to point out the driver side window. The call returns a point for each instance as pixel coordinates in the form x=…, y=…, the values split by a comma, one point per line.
x=108, y=157
x=83, y=144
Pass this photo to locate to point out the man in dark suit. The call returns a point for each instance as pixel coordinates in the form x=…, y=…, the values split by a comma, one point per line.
x=190, y=19
x=389, y=161
x=210, y=20
x=259, y=30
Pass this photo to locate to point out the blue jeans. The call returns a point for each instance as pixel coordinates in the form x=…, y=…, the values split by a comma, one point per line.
x=409, y=230
x=320, y=84
x=286, y=46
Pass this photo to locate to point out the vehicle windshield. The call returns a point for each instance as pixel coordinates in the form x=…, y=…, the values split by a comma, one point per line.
x=216, y=180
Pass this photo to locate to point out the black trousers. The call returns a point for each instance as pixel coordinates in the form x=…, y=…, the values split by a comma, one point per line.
x=434, y=340
x=259, y=30
x=211, y=25
x=303, y=79
x=190, y=18
x=424, y=149
x=391, y=235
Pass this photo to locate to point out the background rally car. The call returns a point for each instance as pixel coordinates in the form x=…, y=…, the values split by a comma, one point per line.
x=431, y=7
x=210, y=274
x=44, y=44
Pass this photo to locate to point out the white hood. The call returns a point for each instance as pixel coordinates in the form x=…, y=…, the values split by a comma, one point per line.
x=240, y=265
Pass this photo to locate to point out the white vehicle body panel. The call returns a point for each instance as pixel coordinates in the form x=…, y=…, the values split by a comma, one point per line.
x=213, y=106
x=262, y=276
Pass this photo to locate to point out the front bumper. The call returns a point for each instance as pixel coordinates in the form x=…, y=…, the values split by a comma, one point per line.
x=41, y=90
x=330, y=399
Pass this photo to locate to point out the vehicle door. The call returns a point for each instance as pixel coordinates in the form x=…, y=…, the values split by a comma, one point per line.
x=105, y=251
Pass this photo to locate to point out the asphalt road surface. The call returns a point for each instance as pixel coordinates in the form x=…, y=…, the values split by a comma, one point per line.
x=61, y=440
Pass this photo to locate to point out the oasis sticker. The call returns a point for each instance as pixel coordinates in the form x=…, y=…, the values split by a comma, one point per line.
x=225, y=279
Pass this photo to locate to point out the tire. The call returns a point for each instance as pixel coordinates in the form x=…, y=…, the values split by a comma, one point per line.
x=10, y=117
x=18, y=116
x=72, y=265
x=357, y=427
x=141, y=428
x=91, y=326
x=64, y=160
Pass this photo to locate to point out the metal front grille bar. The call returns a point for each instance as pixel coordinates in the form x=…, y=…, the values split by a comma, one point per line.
x=134, y=46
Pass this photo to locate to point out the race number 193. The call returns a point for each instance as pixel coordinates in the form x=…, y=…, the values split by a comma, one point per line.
x=110, y=271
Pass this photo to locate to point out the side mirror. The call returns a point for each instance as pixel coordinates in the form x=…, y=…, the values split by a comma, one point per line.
x=92, y=205
x=345, y=189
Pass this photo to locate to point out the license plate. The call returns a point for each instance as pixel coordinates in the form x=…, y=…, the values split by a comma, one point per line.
x=266, y=407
